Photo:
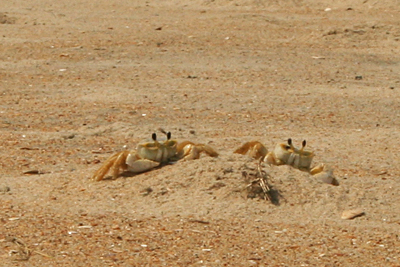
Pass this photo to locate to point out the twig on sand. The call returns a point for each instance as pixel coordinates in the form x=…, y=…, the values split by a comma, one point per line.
x=262, y=180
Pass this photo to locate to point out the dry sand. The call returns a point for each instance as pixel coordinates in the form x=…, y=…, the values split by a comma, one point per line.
x=81, y=80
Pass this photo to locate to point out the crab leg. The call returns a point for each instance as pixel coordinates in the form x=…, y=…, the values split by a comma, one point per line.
x=254, y=149
x=115, y=162
x=189, y=150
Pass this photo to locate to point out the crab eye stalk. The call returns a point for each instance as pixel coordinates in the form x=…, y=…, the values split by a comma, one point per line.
x=169, y=135
x=304, y=143
x=289, y=141
x=154, y=137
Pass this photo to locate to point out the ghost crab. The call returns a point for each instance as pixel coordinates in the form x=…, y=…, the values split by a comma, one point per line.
x=150, y=155
x=288, y=154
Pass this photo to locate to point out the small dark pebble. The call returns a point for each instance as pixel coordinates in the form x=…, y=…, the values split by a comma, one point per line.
x=359, y=77
x=147, y=191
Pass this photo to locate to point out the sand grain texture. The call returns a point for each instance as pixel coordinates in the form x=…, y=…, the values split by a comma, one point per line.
x=81, y=80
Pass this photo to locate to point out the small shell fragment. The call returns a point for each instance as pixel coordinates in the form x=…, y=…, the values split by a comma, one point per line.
x=33, y=172
x=84, y=227
x=351, y=214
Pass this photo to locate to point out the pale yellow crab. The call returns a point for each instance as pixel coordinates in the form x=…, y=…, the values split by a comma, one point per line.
x=147, y=156
x=287, y=154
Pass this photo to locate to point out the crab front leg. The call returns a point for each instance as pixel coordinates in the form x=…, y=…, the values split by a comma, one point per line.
x=190, y=150
x=115, y=163
x=124, y=161
x=254, y=149
x=137, y=164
